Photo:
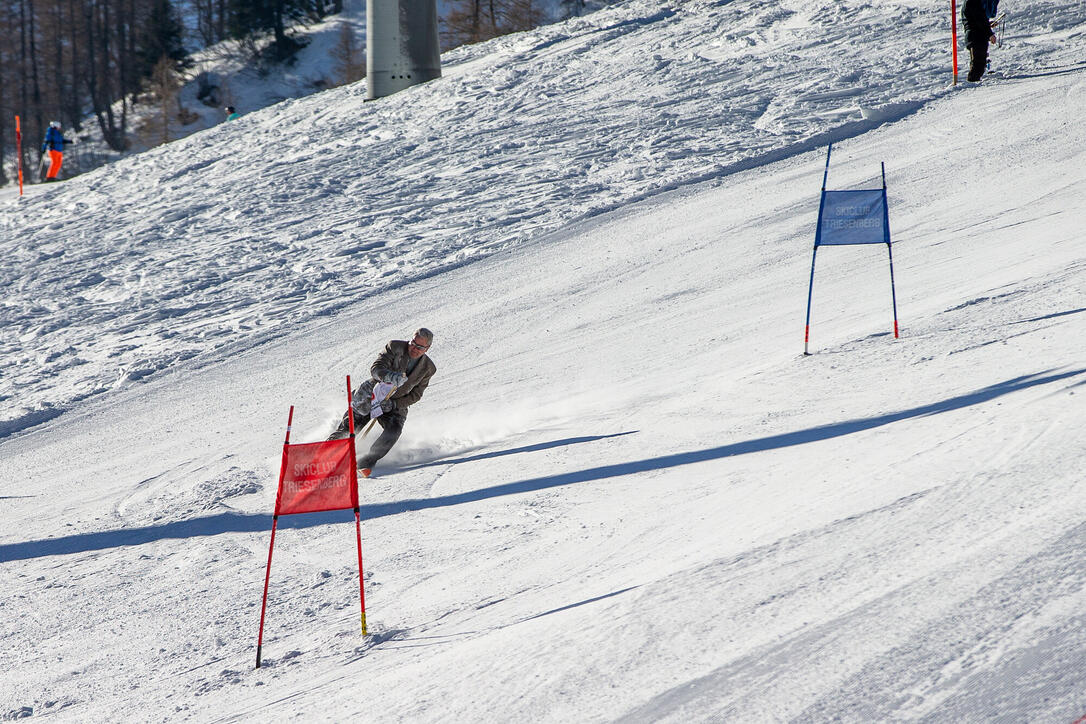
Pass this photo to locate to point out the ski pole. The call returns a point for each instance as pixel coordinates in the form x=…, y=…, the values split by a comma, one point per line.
x=367, y=430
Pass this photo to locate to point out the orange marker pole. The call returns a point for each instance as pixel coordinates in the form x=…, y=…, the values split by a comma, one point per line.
x=954, y=36
x=19, y=152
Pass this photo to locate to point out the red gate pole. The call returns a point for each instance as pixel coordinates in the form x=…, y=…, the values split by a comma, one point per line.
x=271, y=546
x=357, y=513
x=350, y=408
x=954, y=36
x=19, y=152
x=361, y=586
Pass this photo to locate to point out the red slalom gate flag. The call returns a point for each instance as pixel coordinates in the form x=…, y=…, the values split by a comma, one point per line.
x=318, y=476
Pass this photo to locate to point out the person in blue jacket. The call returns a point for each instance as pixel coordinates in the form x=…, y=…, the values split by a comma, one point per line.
x=977, y=16
x=54, y=145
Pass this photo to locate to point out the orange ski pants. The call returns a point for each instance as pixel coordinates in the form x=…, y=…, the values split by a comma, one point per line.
x=55, y=159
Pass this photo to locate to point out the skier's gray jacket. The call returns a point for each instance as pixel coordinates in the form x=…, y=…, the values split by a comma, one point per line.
x=395, y=359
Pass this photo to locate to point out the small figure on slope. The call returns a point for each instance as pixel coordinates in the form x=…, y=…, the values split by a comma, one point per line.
x=398, y=378
x=54, y=145
x=977, y=18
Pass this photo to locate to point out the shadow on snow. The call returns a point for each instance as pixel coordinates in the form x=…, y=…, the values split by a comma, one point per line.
x=252, y=523
x=511, y=451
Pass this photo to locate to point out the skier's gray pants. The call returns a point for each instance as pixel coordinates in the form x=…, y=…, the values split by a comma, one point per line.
x=391, y=425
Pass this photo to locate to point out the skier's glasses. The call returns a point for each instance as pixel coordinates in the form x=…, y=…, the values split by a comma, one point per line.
x=420, y=347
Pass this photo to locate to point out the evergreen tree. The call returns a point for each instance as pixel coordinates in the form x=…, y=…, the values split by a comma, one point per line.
x=247, y=18
x=161, y=37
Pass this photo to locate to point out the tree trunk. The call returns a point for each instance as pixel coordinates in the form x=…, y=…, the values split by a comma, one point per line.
x=72, y=105
x=35, y=88
x=3, y=120
x=280, y=31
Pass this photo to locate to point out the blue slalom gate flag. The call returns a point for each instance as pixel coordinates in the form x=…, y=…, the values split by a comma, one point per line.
x=853, y=217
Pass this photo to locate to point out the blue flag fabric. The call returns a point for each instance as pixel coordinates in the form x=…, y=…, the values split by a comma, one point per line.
x=853, y=217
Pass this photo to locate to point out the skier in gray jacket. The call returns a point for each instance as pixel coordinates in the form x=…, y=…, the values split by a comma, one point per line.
x=408, y=368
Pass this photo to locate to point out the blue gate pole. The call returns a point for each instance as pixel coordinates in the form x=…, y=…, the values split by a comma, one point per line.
x=810, y=291
x=893, y=294
x=889, y=248
x=814, y=255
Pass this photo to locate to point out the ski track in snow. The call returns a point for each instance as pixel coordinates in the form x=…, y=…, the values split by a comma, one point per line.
x=319, y=202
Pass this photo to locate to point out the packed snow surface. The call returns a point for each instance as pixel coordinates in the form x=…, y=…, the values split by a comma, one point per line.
x=627, y=494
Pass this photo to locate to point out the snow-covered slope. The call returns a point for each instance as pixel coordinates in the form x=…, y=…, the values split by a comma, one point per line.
x=247, y=84
x=232, y=235
x=627, y=494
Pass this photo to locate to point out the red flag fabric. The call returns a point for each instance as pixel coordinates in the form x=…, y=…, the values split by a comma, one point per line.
x=318, y=476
